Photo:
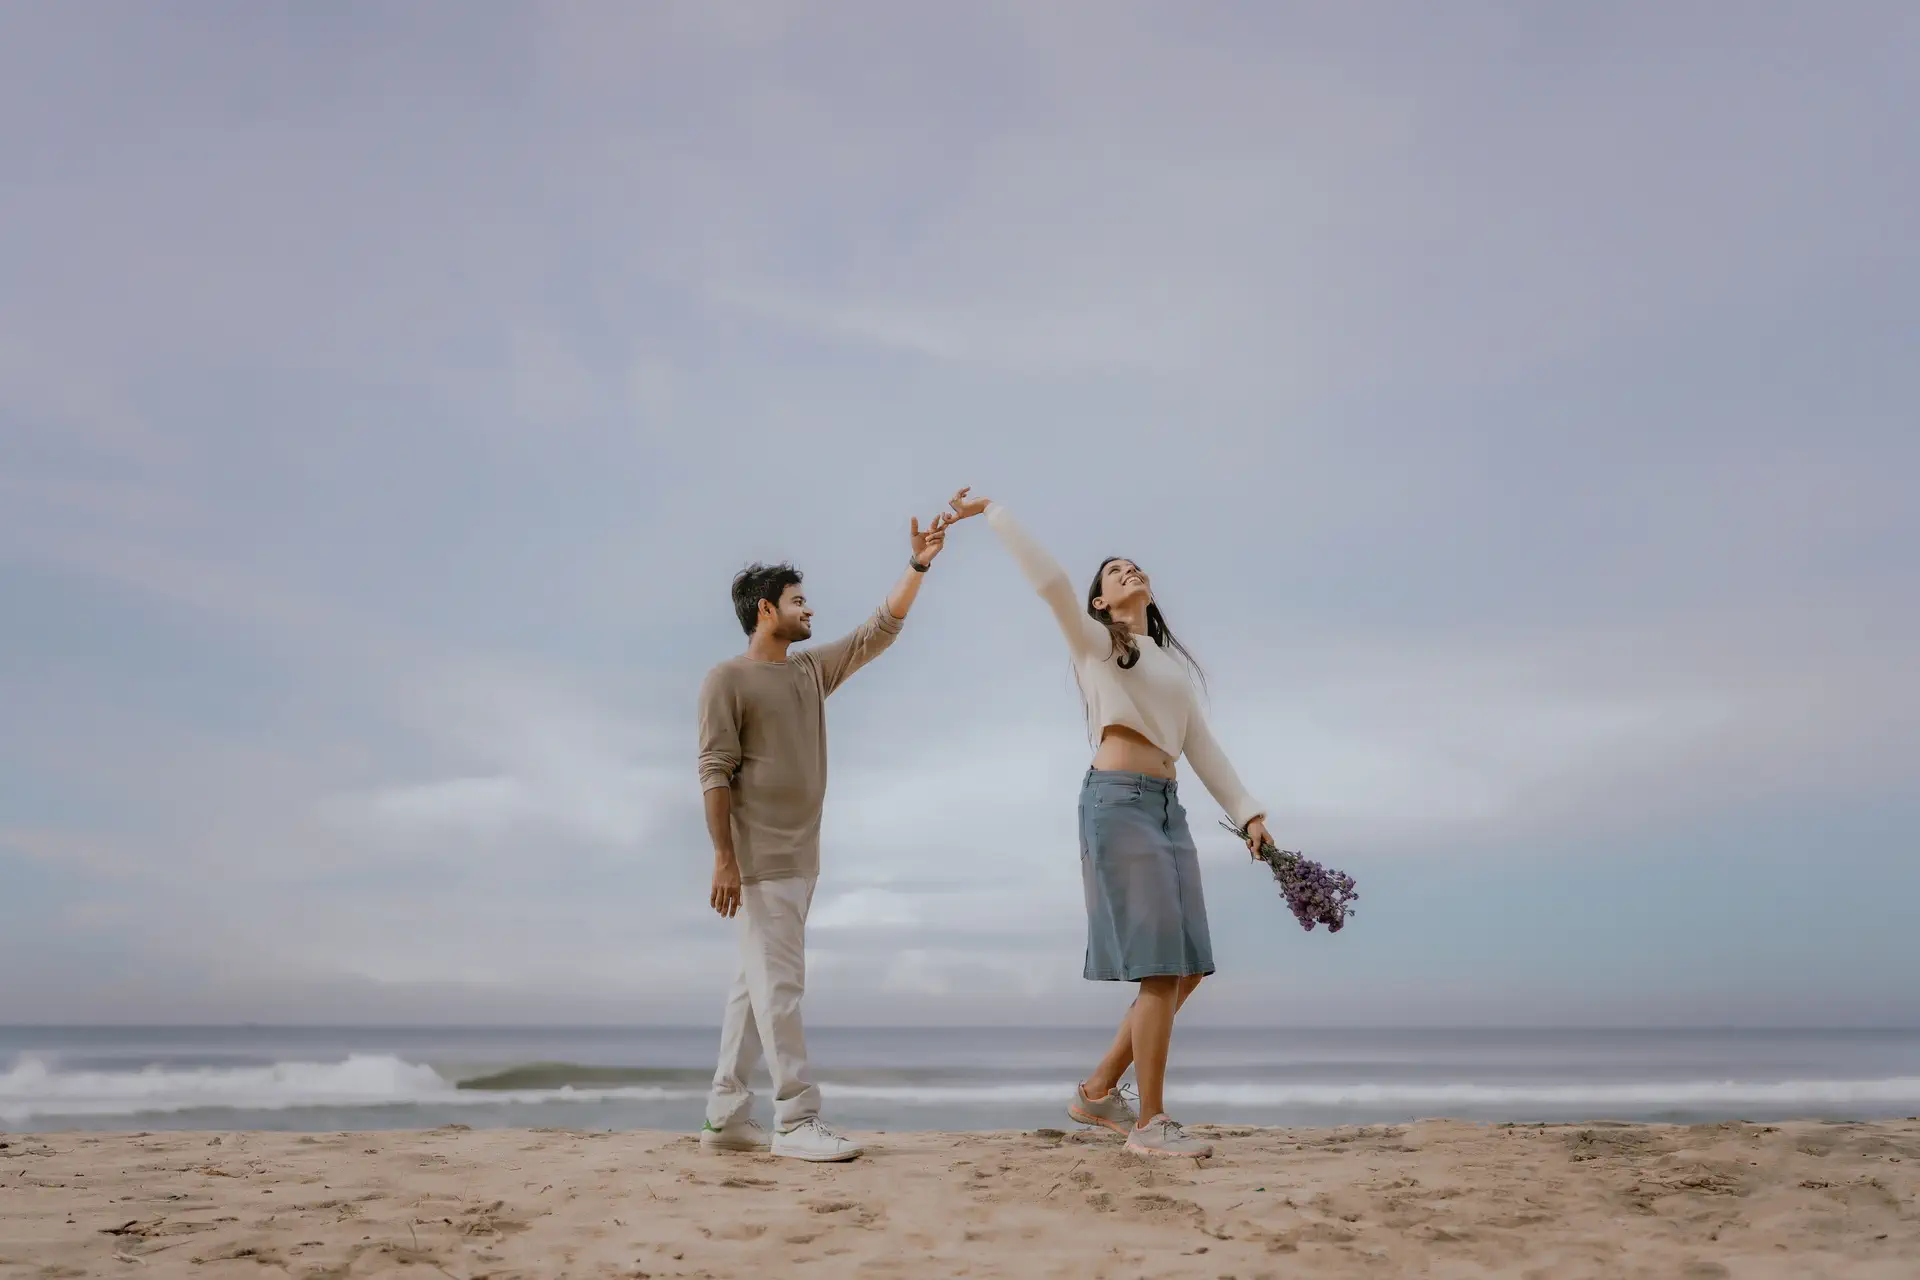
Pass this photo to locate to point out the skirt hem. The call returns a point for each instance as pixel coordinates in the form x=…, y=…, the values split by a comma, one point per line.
x=1149, y=972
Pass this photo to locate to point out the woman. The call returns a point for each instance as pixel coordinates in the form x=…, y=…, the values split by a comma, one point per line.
x=1146, y=918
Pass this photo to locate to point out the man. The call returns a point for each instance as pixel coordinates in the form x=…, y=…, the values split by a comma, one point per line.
x=763, y=769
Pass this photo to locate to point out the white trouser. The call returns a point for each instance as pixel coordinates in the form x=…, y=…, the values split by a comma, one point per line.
x=763, y=1009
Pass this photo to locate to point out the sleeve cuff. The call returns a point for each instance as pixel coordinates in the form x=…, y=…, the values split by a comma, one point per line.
x=714, y=781
x=888, y=622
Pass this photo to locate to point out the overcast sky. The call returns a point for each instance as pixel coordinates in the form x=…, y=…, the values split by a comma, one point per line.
x=1514, y=404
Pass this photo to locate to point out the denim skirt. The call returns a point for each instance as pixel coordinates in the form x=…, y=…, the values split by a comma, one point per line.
x=1146, y=916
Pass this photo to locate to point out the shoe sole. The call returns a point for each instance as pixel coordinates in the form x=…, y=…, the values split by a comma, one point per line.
x=1101, y=1122
x=811, y=1158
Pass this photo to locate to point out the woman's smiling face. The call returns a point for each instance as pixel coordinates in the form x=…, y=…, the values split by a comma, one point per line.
x=1122, y=584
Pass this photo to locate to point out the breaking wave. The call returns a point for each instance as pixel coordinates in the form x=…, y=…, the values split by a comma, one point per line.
x=35, y=1088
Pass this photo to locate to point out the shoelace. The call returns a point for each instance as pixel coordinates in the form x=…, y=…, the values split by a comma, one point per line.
x=1129, y=1097
x=1170, y=1130
x=812, y=1125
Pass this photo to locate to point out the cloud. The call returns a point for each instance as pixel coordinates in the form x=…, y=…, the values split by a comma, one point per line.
x=567, y=768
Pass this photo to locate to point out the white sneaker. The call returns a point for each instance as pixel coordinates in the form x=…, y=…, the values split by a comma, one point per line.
x=741, y=1134
x=811, y=1140
x=1162, y=1137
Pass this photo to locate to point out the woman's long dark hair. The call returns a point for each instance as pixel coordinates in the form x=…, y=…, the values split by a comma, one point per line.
x=1126, y=649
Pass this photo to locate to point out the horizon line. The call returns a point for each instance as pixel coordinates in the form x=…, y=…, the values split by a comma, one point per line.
x=962, y=1025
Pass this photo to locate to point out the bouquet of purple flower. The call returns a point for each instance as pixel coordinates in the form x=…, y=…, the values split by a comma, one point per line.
x=1315, y=894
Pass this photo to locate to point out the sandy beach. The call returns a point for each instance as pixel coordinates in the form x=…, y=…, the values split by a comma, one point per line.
x=1432, y=1199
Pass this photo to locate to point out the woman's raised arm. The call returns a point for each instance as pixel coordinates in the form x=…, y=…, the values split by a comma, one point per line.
x=1085, y=637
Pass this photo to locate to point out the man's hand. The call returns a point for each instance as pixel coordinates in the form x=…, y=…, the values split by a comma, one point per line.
x=964, y=507
x=725, y=896
x=726, y=887
x=927, y=542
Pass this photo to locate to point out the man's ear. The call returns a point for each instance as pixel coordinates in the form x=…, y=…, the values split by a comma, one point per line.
x=767, y=610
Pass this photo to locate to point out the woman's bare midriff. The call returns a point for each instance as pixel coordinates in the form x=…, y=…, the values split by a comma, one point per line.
x=1122, y=750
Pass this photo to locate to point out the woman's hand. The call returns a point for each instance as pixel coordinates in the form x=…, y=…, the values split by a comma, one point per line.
x=1257, y=835
x=965, y=507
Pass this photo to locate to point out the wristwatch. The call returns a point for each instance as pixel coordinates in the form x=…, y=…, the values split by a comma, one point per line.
x=917, y=566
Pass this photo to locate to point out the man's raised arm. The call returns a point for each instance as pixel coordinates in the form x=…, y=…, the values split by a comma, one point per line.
x=838, y=659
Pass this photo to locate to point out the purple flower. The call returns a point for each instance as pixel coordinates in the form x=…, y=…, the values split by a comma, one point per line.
x=1315, y=894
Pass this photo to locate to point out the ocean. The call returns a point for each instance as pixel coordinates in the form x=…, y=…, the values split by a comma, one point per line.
x=941, y=1078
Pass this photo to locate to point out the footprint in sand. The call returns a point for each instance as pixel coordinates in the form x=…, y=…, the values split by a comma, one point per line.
x=736, y=1231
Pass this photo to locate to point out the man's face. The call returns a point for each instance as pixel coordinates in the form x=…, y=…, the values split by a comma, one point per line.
x=792, y=619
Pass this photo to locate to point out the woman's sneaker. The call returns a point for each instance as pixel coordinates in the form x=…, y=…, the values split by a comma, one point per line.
x=811, y=1140
x=1162, y=1137
x=1110, y=1112
x=743, y=1134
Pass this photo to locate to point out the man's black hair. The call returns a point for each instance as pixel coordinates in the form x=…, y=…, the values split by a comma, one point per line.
x=759, y=582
